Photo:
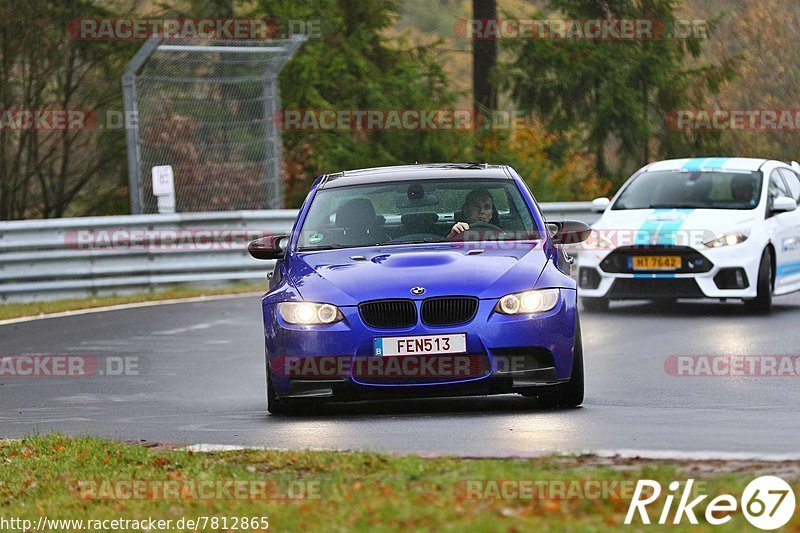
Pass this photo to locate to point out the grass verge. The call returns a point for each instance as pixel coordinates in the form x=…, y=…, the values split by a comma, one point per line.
x=90, y=479
x=16, y=310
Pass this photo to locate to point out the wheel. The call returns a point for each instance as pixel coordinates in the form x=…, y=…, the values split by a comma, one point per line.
x=595, y=305
x=762, y=303
x=275, y=405
x=569, y=394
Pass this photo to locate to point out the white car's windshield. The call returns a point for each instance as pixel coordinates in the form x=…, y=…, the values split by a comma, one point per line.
x=699, y=190
x=415, y=212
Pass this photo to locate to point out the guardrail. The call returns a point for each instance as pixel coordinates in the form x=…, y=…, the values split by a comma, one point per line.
x=78, y=257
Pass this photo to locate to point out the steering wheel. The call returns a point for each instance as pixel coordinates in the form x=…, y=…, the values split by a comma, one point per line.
x=485, y=225
x=479, y=231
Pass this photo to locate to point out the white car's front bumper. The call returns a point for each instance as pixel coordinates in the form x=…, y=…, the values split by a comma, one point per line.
x=596, y=282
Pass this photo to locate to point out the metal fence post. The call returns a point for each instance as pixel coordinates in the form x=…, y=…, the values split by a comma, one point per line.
x=131, y=122
x=274, y=169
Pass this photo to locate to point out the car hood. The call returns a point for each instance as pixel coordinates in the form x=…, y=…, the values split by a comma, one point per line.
x=687, y=227
x=392, y=271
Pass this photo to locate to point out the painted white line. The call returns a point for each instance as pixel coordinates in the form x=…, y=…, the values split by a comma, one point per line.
x=212, y=448
x=625, y=454
x=129, y=306
x=196, y=327
x=697, y=456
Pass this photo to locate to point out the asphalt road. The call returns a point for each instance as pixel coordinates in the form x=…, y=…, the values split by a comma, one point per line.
x=201, y=380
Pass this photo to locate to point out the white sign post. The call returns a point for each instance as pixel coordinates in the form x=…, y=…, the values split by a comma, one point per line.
x=164, y=189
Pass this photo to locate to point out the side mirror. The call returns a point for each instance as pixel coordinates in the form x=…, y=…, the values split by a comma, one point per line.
x=571, y=232
x=783, y=204
x=272, y=247
x=600, y=204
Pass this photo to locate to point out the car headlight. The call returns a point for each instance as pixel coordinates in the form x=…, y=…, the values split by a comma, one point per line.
x=521, y=303
x=727, y=239
x=308, y=313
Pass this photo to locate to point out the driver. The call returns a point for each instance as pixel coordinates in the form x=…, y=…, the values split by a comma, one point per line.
x=478, y=208
x=742, y=188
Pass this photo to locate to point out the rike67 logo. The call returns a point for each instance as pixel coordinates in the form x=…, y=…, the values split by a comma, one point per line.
x=767, y=502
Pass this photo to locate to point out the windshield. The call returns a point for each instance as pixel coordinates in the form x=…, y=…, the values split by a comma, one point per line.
x=701, y=190
x=416, y=212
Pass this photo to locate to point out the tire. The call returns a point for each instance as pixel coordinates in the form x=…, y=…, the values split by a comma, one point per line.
x=569, y=394
x=762, y=303
x=595, y=305
x=275, y=405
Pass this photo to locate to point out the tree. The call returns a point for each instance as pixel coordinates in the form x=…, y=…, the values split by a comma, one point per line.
x=484, y=59
x=354, y=67
x=45, y=171
x=616, y=92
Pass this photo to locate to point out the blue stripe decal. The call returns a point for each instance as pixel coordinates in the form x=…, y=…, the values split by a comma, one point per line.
x=714, y=163
x=694, y=165
x=653, y=276
x=787, y=269
x=654, y=231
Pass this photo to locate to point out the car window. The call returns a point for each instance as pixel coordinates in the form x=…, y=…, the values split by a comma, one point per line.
x=776, y=186
x=419, y=210
x=793, y=182
x=698, y=190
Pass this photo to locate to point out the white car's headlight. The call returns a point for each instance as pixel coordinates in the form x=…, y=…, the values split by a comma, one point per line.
x=308, y=313
x=521, y=303
x=727, y=239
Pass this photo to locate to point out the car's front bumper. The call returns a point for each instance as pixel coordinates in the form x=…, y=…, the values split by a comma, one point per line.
x=735, y=266
x=506, y=353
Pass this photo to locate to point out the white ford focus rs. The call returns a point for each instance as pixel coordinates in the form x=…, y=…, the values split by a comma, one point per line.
x=696, y=228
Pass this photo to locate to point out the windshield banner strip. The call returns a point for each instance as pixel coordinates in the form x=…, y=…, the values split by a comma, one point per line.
x=705, y=163
x=715, y=163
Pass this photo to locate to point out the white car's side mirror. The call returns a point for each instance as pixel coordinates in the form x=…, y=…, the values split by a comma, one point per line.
x=600, y=204
x=783, y=204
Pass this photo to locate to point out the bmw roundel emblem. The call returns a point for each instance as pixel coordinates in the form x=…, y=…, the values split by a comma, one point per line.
x=416, y=291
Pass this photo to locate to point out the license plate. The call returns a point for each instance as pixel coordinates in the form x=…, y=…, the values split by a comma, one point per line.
x=655, y=262
x=423, y=344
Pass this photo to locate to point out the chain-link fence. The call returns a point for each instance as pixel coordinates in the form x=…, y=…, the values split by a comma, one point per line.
x=208, y=108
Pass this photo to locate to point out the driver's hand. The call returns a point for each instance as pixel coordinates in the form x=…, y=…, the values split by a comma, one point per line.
x=459, y=227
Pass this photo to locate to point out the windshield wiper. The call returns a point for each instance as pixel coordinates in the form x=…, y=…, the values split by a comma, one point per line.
x=674, y=206
x=324, y=247
x=415, y=241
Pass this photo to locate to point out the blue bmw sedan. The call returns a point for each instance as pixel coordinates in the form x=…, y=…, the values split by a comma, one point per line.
x=421, y=280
